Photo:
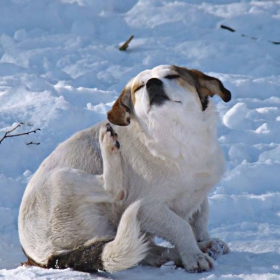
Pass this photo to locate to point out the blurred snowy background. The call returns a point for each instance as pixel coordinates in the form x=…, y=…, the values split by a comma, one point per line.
x=60, y=71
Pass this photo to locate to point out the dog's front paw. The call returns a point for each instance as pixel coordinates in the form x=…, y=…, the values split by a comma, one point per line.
x=198, y=263
x=108, y=138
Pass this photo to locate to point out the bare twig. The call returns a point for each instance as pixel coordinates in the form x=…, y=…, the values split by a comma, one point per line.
x=13, y=129
x=227, y=28
x=243, y=35
x=33, y=143
x=8, y=135
x=125, y=45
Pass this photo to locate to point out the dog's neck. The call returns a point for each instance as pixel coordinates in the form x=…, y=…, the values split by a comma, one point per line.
x=185, y=141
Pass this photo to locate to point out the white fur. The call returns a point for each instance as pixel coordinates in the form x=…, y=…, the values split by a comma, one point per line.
x=169, y=159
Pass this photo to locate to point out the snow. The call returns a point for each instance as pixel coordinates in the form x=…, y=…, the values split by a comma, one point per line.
x=60, y=71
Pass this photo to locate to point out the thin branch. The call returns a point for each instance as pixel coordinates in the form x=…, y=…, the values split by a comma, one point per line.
x=33, y=143
x=125, y=45
x=244, y=35
x=8, y=135
x=23, y=133
x=13, y=129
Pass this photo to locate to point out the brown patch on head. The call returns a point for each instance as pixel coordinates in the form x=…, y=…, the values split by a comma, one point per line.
x=210, y=86
x=185, y=78
x=205, y=85
x=120, y=112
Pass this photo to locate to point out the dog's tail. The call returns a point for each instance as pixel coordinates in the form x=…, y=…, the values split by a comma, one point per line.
x=128, y=248
x=111, y=254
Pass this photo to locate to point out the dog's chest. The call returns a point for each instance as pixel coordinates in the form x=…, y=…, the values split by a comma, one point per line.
x=187, y=186
x=186, y=195
x=182, y=183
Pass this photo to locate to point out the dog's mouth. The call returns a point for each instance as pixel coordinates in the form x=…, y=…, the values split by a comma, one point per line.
x=159, y=99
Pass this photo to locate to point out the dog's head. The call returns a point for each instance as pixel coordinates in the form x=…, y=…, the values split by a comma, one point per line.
x=171, y=106
x=165, y=85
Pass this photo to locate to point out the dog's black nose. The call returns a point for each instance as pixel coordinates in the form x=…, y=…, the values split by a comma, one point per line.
x=154, y=82
x=156, y=92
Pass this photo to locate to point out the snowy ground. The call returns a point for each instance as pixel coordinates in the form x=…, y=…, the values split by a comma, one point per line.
x=60, y=70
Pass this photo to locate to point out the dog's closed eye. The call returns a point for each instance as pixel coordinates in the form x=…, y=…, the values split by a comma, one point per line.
x=139, y=87
x=172, y=77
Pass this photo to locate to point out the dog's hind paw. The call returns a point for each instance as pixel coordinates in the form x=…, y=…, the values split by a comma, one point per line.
x=214, y=247
x=108, y=138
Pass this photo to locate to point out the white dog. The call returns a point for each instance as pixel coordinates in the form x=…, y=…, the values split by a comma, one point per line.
x=92, y=205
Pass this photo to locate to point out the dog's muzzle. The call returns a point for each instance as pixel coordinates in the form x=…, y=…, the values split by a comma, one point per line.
x=156, y=92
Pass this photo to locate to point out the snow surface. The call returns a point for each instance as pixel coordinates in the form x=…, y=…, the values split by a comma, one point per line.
x=60, y=70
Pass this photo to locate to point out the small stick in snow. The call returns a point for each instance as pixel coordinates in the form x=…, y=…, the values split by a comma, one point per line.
x=8, y=135
x=125, y=45
x=227, y=28
x=243, y=35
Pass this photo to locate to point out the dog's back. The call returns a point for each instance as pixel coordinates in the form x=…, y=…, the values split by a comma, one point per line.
x=44, y=192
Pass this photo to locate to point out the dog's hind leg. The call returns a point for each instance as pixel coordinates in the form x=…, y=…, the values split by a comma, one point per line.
x=112, y=168
x=110, y=254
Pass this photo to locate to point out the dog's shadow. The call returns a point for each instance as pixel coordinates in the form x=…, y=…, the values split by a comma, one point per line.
x=235, y=265
x=248, y=263
x=232, y=264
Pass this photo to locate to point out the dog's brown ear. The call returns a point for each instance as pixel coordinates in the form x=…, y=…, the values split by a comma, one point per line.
x=120, y=112
x=209, y=86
